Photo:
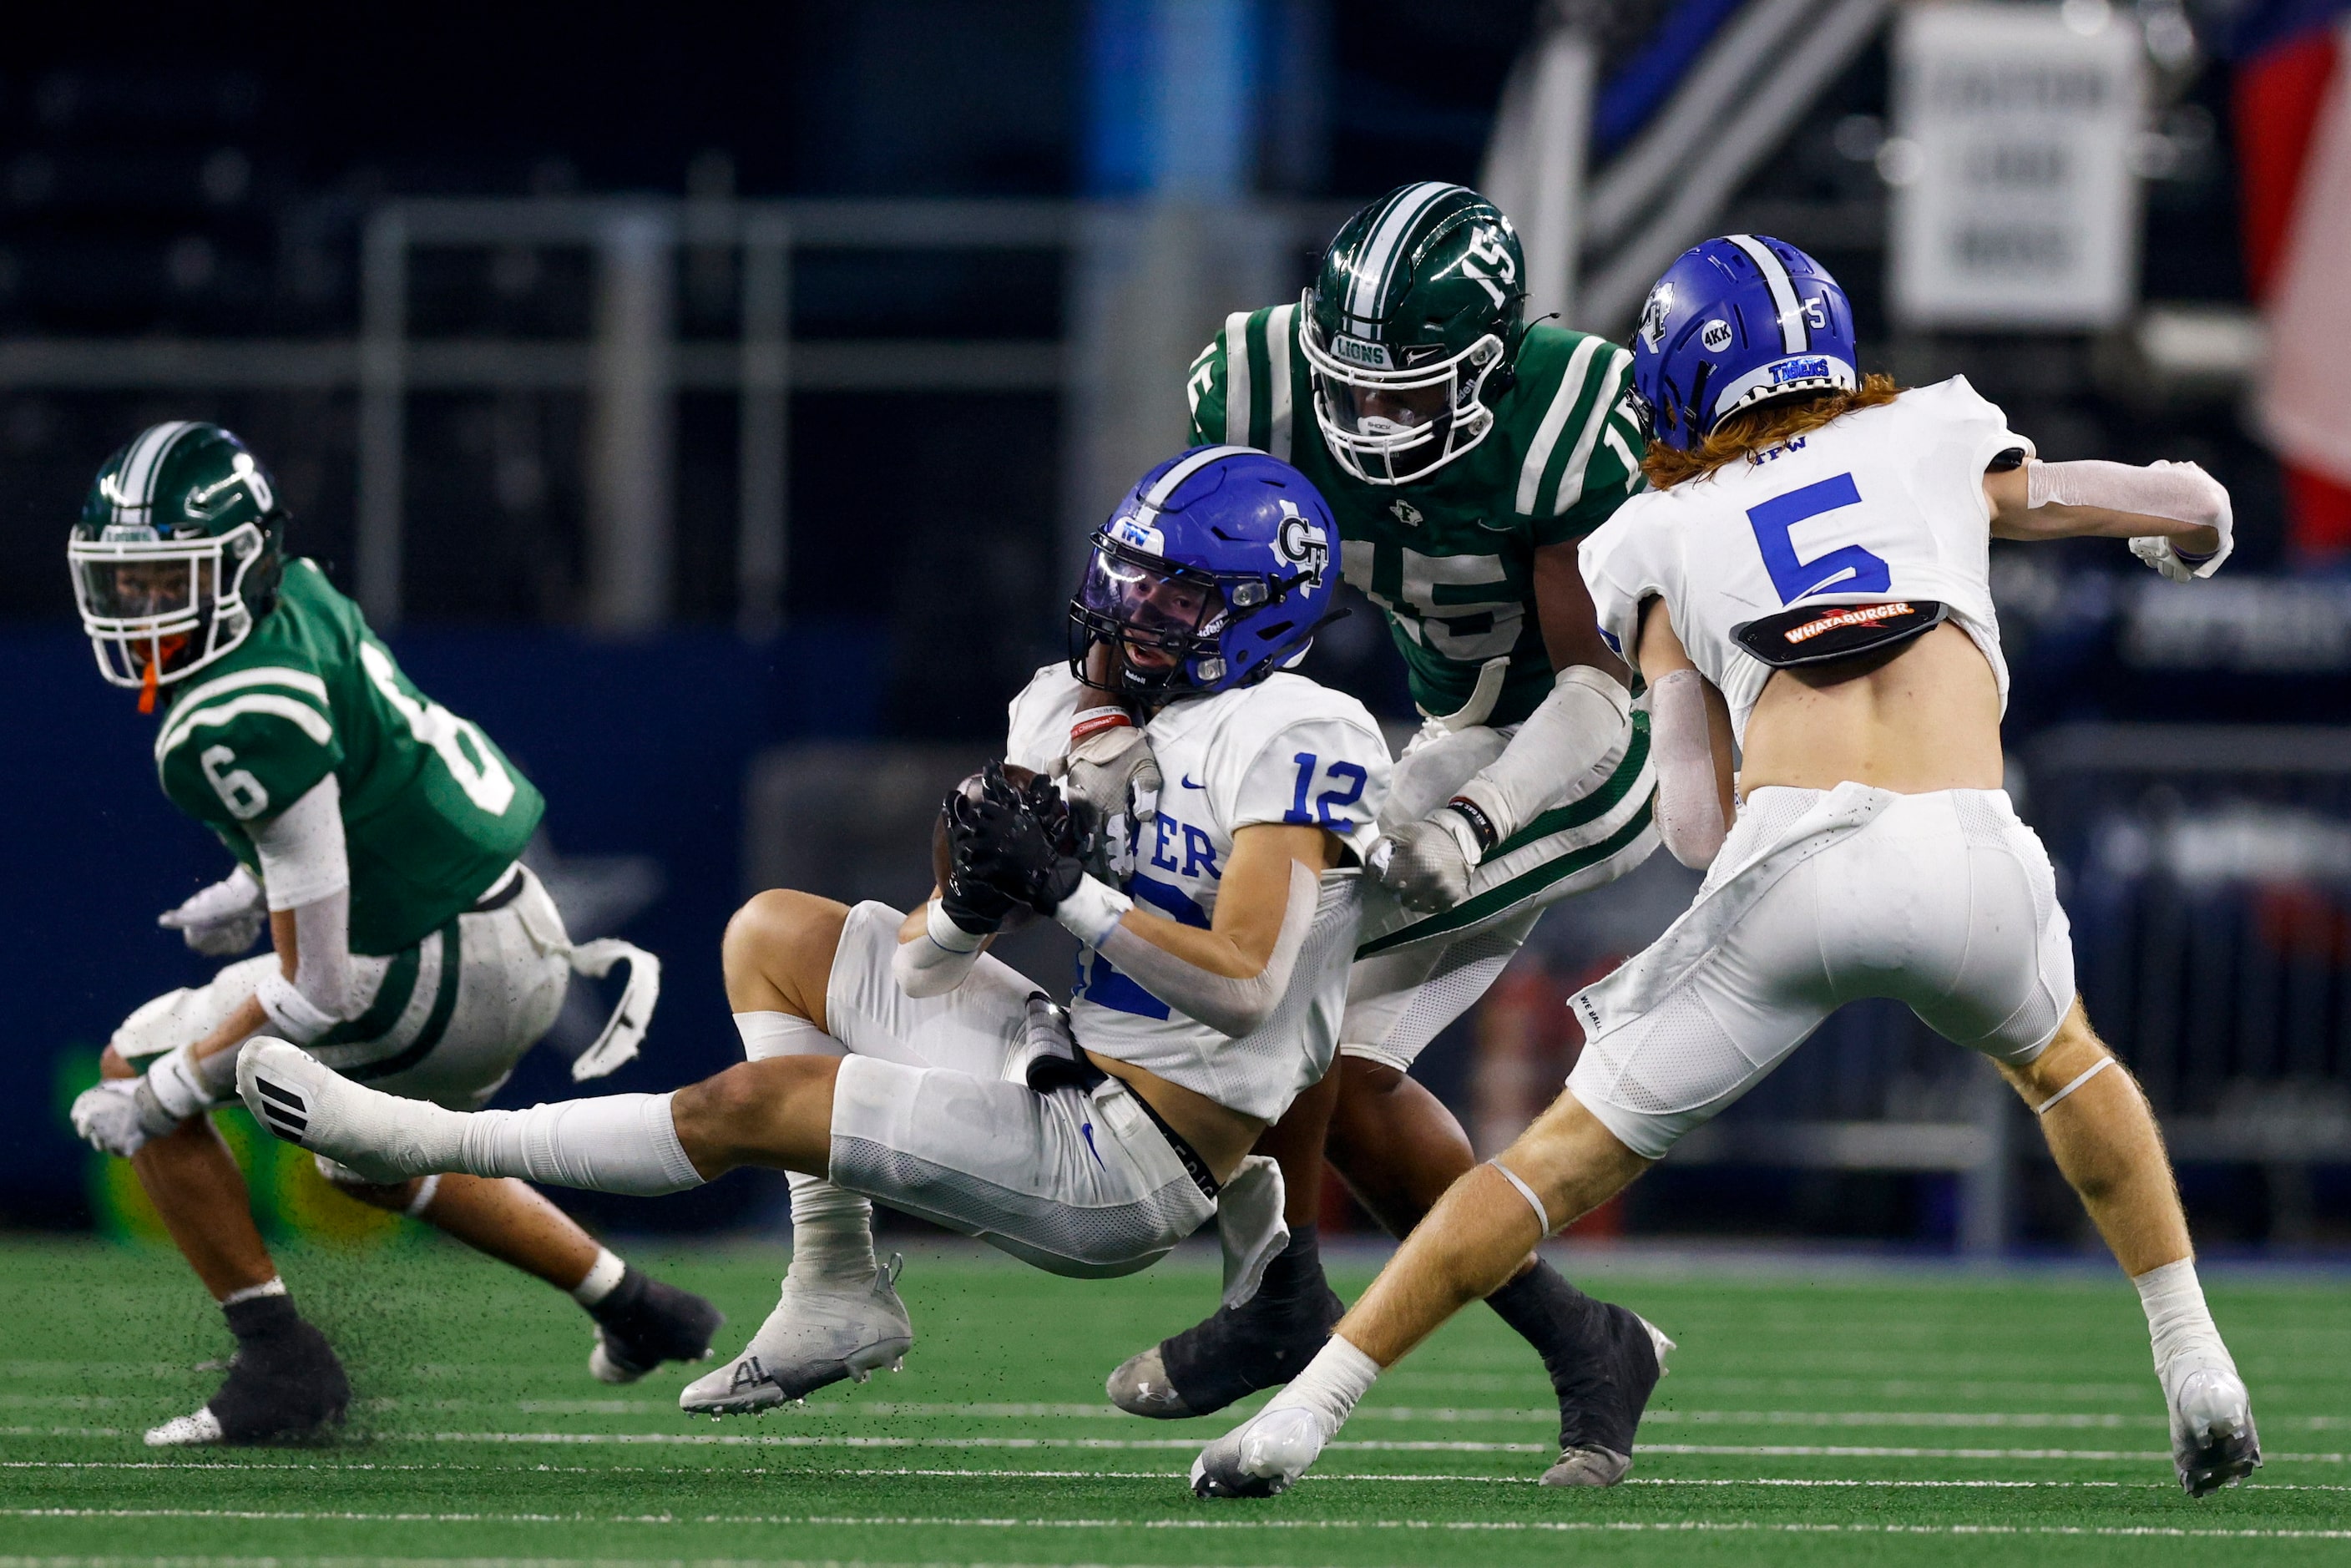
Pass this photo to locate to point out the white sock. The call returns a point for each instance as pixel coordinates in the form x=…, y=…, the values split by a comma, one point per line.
x=832, y=1229
x=833, y=1233
x=1337, y=1377
x=603, y=1275
x=2179, y=1324
x=767, y=1034
x=614, y=1143
x=273, y=1286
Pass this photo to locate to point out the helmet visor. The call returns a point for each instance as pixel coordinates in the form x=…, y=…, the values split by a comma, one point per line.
x=122, y=587
x=1157, y=616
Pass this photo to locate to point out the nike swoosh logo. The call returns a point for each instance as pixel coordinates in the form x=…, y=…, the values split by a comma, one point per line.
x=1189, y=785
x=1088, y=1129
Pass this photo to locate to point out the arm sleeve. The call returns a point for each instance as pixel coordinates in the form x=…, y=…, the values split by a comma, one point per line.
x=1690, y=793
x=305, y=870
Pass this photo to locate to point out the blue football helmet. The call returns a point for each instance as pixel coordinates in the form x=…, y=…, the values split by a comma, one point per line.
x=1733, y=321
x=1213, y=573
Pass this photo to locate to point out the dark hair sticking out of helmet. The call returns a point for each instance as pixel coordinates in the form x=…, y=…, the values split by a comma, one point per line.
x=175, y=554
x=1761, y=426
x=1213, y=573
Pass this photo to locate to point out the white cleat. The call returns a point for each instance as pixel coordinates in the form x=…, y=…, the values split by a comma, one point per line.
x=1261, y=1457
x=305, y=1101
x=819, y=1335
x=2213, y=1442
x=196, y=1431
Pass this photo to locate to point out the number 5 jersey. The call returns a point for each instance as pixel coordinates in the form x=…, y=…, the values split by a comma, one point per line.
x=433, y=813
x=1883, y=505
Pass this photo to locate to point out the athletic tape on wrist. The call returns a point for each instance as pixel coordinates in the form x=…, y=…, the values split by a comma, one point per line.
x=944, y=931
x=295, y=1015
x=1093, y=721
x=177, y=1085
x=1542, y=1215
x=1092, y=910
x=2083, y=1077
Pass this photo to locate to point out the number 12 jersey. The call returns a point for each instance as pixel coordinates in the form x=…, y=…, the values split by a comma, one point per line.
x=1884, y=504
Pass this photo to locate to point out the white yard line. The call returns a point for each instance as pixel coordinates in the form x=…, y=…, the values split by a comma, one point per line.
x=874, y=1472
x=949, y=1522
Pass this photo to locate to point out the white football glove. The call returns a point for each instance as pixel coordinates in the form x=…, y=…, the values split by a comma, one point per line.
x=1113, y=771
x=116, y=1118
x=223, y=920
x=1427, y=863
x=2159, y=553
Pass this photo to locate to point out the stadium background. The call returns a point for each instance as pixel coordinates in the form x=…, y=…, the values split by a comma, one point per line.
x=708, y=402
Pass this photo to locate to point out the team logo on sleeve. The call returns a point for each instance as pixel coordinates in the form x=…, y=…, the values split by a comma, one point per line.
x=1300, y=542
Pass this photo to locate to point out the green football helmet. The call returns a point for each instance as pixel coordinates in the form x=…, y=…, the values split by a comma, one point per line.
x=1412, y=329
x=175, y=554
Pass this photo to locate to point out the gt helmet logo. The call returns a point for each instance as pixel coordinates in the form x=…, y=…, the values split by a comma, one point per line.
x=1300, y=541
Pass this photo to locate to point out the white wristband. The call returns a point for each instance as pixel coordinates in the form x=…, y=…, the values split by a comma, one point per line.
x=948, y=934
x=176, y=1086
x=1093, y=909
x=296, y=1018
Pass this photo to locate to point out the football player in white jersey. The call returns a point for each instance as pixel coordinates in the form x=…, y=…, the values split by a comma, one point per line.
x=892, y=1060
x=1806, y=589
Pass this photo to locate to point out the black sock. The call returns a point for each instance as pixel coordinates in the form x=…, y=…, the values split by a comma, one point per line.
x=261, y=1317
x=1295, y=1273
x=1548, y=1314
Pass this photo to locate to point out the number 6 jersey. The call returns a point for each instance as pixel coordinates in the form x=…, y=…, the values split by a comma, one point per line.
x=1883, y=505
x=433, y=813
x=1287, y=750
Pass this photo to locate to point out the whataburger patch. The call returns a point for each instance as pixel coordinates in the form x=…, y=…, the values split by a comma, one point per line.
x=1816, y=635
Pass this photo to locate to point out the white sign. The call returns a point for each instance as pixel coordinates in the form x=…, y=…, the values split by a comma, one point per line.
x=2014, y=204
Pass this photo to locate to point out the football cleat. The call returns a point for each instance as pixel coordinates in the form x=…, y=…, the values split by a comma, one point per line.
x=819, y=1334
x=1602, y=1397
x=2213, y=1441
x=284, y=1385
x=1262, y=1456
x=1229, y=1354
x=644, y=1323
x=305, y=1101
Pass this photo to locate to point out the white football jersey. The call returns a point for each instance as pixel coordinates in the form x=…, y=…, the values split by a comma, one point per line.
x=1886, y=503
x=1286, y=749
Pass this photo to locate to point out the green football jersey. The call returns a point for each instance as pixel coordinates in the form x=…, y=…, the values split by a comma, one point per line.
x=433, y=813
x=1450, y=559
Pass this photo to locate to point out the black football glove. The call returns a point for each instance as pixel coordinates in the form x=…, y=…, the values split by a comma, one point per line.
x=971, y=903
x=1024, y=844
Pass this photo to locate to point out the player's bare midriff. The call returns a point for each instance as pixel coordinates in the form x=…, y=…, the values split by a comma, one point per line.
x=1925, y=717
x=1221, y=1136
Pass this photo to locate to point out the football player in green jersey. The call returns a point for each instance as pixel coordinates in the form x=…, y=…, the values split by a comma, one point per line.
x=1464, y=452
x=377, y=837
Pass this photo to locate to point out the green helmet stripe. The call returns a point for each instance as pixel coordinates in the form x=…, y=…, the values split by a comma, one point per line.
x=1554, y=420
x=142, y=465
x=1238, y=412
x=1375, y=266
x=1280, y=334
x=1606, y=388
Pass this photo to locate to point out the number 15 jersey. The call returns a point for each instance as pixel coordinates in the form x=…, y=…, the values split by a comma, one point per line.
x=1884, y=504
x=433, y=813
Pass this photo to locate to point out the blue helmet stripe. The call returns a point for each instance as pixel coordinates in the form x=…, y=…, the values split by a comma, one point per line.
x=1794, y=337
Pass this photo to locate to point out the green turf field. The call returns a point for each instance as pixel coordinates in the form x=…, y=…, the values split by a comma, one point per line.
x=1823, y=1415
